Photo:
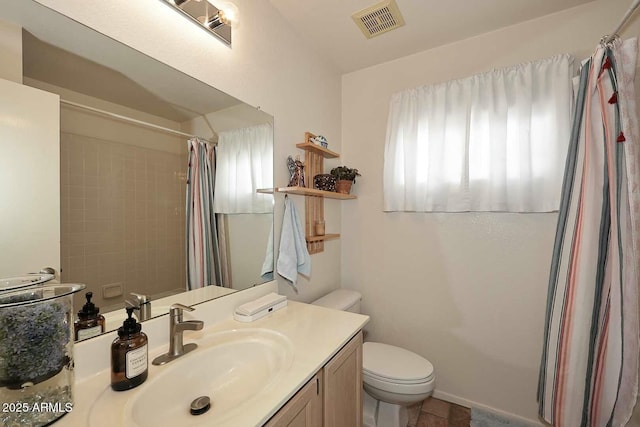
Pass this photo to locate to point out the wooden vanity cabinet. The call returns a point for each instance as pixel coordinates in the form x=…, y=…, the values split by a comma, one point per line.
x=332, y=398
x=343, y=386
x=304, y=409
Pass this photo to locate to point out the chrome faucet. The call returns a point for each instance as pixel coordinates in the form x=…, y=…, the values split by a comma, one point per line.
x=142, y=303
x=176, y=327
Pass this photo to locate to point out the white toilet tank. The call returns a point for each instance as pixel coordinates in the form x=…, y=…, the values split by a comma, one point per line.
x=341, y=299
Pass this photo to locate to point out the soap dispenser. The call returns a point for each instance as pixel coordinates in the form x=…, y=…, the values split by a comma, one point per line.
x=129, y=355
x=89, y=323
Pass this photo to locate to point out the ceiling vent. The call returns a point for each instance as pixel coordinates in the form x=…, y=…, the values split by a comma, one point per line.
x=379, y=18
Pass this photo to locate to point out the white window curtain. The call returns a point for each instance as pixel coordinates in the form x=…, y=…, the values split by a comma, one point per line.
x=244, y=164
x=491, y=142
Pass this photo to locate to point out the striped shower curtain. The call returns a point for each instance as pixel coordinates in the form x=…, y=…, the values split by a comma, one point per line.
x=589, y=368
x=203, y=254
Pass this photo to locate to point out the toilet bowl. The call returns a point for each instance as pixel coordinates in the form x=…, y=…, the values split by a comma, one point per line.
x=393, y=377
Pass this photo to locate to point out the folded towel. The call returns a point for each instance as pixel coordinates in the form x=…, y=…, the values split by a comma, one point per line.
x=293, y=257
x=267, y=265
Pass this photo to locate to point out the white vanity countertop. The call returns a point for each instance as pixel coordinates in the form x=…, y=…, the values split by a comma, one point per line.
x=316, y=333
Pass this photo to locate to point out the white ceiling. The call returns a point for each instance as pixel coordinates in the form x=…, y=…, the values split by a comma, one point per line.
x=328, y=26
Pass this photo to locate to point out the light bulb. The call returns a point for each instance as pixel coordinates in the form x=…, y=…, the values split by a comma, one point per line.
x=215, y=21
x=229, y=13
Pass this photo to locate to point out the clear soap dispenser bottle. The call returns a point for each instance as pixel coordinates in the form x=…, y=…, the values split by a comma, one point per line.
x=129, y=355
x=89, y=322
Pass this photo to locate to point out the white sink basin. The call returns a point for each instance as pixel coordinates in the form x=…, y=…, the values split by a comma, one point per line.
x=229, y=367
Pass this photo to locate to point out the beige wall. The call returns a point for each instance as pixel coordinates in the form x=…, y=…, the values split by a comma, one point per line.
x=268, y=66
x=10, y=52
x=465, y=290
x=246, y=260
x=30, y=211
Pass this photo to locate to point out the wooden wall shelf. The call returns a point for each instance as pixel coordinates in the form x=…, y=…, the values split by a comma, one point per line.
x=302, y=191
x=317, y=149
x=314, y=199
x=322, y=238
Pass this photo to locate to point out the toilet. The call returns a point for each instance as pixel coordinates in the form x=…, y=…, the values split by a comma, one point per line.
x=394, y=378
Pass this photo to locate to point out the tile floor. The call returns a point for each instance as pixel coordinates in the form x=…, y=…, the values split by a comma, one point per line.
x=438, y=413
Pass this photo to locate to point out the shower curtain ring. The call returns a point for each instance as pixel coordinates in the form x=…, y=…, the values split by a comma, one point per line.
x=608, y=40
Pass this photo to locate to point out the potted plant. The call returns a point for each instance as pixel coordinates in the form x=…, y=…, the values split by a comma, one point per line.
x=345, y=177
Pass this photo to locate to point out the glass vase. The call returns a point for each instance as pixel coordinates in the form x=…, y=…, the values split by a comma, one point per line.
x=36, y=354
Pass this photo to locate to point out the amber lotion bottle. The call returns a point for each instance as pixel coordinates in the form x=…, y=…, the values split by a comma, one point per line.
x=89, y=322
x=129, y=355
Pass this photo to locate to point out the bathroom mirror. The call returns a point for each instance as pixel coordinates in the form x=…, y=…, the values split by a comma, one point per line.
x=123, y=176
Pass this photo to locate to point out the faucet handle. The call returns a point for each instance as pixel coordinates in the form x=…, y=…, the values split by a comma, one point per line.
x=142, y=299
x=177, y=308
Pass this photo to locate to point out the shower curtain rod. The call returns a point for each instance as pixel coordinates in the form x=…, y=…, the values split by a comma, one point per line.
x=135, y=121
x=609, y=37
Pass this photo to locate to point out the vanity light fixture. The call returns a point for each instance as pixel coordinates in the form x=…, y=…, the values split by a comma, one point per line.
x=217, y=20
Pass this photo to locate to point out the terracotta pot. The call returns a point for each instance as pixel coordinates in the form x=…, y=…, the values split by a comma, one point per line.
x=343, y=186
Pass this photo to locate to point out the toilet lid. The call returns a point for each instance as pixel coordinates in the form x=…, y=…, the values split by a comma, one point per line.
x=394, y=364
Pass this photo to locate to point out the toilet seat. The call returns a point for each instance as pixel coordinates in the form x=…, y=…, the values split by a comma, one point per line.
x=397, y=381
x=389, y=364
x=398, y=388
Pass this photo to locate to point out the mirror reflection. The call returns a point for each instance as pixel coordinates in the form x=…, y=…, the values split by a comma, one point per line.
x=158, y=172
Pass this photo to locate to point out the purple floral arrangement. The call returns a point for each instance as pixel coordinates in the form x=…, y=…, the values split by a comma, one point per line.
x=34, y=340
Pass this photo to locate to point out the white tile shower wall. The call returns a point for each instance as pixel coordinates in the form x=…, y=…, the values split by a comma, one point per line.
x=123, y=216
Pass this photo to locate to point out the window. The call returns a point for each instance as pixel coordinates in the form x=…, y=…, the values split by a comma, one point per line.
x=244, y=164
x=491, y=142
